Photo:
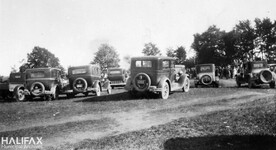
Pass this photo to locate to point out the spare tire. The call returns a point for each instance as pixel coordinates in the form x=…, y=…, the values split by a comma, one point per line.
x=79, y=85
x=266, y=76
x=37, y=89
x=141, y=82
x=206, y=80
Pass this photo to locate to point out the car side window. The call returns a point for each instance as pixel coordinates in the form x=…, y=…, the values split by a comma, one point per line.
x=172, y=64
x=138, y=64
x=144, y=63
x=166, y=64
x=147, y=64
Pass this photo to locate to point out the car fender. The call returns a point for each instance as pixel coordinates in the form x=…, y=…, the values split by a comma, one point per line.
x=162, y=81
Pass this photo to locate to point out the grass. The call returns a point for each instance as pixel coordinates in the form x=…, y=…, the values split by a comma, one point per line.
x=250, y=127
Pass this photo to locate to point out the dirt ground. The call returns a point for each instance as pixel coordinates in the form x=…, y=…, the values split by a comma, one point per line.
x=78, y=122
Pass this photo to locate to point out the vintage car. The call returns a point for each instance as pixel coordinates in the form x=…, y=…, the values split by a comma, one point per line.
x=255, y=73
x=87, y=78
x=8, y=88
x=42, y=82
x=156, y=74
x=4, y=87
x=117, y=77
x=272, y=67
x=206, y=75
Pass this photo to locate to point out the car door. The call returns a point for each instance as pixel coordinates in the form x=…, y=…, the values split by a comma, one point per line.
x=166, y=68
x=173, y=71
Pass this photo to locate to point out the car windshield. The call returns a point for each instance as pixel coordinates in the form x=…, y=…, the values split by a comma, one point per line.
x=37, y=74
x=205, y=69
x=79, y=71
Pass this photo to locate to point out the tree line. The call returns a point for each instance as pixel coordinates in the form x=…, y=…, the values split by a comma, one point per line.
x=244, y=41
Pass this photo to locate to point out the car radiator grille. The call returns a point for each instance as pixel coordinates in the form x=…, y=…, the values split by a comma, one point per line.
x=116, y=82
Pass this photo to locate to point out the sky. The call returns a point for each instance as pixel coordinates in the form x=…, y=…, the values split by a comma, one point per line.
x=73, y=30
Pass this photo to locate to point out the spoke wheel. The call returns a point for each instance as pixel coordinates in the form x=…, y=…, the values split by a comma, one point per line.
x=98, y=90
x=186, y=86
x=19, y=95
x=164, y=94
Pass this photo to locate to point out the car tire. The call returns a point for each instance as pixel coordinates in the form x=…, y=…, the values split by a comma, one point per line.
x=272, y=85
x=86, y=94
x=19, y=94
x=98, y=90
x=203, y=81
x=55, y=94
x=40, y=85
x=109, y=90
x=71, y=95
x=146, y=77
x=186, y=86
x=238, y=82
x=250, y=84
x=84, y=82
x=164, y=94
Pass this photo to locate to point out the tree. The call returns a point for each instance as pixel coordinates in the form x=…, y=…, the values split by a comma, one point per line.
x=150, y=49
x=39, y=58
x=209, y=46
x=190, y=62
x=106, y=57
x=246, y=37
x=170, y=52
x=266, y=38
x=180, y=54
x=230, y=40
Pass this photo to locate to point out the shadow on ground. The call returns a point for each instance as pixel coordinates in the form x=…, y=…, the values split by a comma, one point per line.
x=223, y=142
x=118, y=97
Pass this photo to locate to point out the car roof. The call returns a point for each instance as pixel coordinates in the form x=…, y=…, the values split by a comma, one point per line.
x=152, y=58
x=204, y=64
x=84, y=66
x=42, y=69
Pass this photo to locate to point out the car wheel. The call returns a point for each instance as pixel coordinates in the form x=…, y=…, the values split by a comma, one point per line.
x=70, y=95
x=37, y=89
x=186, y=86
x=164, y=94
x=141, y=82
x=98, y=90
x=19, y=94
x=108, y=90
x=206, y=80
x=55, y=94
x=272, y=85
x=250, y=84
x=238, y=83
x=79, y=85
x=86, y=94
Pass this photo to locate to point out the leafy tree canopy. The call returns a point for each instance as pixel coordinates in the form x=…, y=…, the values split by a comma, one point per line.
x=40, y=58
x=150, y=49
x=106, y=57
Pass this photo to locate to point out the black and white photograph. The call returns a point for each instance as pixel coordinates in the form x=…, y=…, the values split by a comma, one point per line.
x=137, y=75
